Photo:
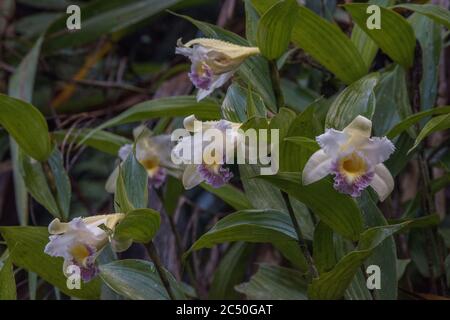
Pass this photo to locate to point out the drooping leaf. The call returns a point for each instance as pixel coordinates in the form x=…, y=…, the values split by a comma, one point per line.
x=275, y=283
x=101, y=140
x=357, y=99
x=395, y=35
x=275, y=28
x=26, y=125
x=332, y=284
x=327, y=44
x=135, y=179
x=27, y=251
x=140, y=225
x=101, y=18
x=435, y=12
x=61, y=182
x=138, y=280
x=438, y=123
x=413, y=119
x=339, y=212
x=256, y=226
x=7, y=281
x=323, y=248
x=366, y=46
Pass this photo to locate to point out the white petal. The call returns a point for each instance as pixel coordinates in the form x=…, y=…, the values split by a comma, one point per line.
x=317, y=167
x=188, y=123
x=184, y=51
x=382, y=182
x=191, y=177
x=202, y=94
x=222, y=79
x=110, y=185
x=360, y=126
x=331, y=141
x=377, y=150
x=125, y=151
x=57, y=227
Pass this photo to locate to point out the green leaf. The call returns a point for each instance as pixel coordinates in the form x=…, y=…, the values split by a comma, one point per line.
x=138, y=280
x=251, y=22
x=438, y=123
x=260, y=226
x=357, y=99
x=100, y=140
x=253, y=70
x=173, y=192
x=135, y=179
x=366, y=46
x=27, y=245
x=234, y=106
x=7, y=281
x=27, y=126
x=121, y=201
x=384, y=255
x=392, y=101
x=230, y=272
x=326, y=43
x=413, y=119
x=61, y=181
x=36, y=182
x=435, y=12
x=275, y=283
x=395, y=37
x=339, y=212
x=323, y=248
x=165, y=107
x=99, y=18
x=428, y=33
x=275, y=28
x=430, y=220
x=21, y=86
x=140, y=225
x=332, y=284
x=231, y=195
x=305, y=142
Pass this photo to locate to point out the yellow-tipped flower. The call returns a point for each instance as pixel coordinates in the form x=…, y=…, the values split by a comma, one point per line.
x=354, y=158
x=213, y=62
x=80, y=241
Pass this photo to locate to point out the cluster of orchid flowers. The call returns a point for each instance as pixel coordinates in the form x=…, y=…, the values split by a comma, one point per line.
x=351, y=156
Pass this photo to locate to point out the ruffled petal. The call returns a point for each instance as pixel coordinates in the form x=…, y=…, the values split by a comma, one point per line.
x=191, y=177
x=377, y=150
x=382, y=182
x=317, y=167
x=331, y=141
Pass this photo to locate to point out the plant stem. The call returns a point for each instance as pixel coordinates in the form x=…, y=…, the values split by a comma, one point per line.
x=159, y=268
x=179, y=246
x=275, y=78
x=301, y=241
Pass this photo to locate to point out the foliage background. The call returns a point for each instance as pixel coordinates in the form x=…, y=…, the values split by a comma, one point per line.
x=124, y=55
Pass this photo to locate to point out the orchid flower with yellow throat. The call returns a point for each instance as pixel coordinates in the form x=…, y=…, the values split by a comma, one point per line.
x=81, y=240
x=210, y=166
x=213, y=62
x=153, y=153
x=354, y=158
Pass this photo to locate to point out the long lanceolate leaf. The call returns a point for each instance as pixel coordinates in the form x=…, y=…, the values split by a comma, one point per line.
x=326, y=43
x=437, y=13
x=339, y=212
x=395, y=35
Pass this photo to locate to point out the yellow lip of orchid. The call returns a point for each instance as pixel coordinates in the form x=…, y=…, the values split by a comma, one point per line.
x=353, y=158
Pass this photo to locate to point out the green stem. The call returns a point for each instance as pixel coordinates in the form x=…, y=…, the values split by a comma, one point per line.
x=159, y=268
x=276, y=84
x=301, y=241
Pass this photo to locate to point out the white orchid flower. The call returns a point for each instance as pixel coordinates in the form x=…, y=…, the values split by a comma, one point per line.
x=209, y=167
x=153, y=153
x=80, y=241
x=353, y=158
x=213, y=62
